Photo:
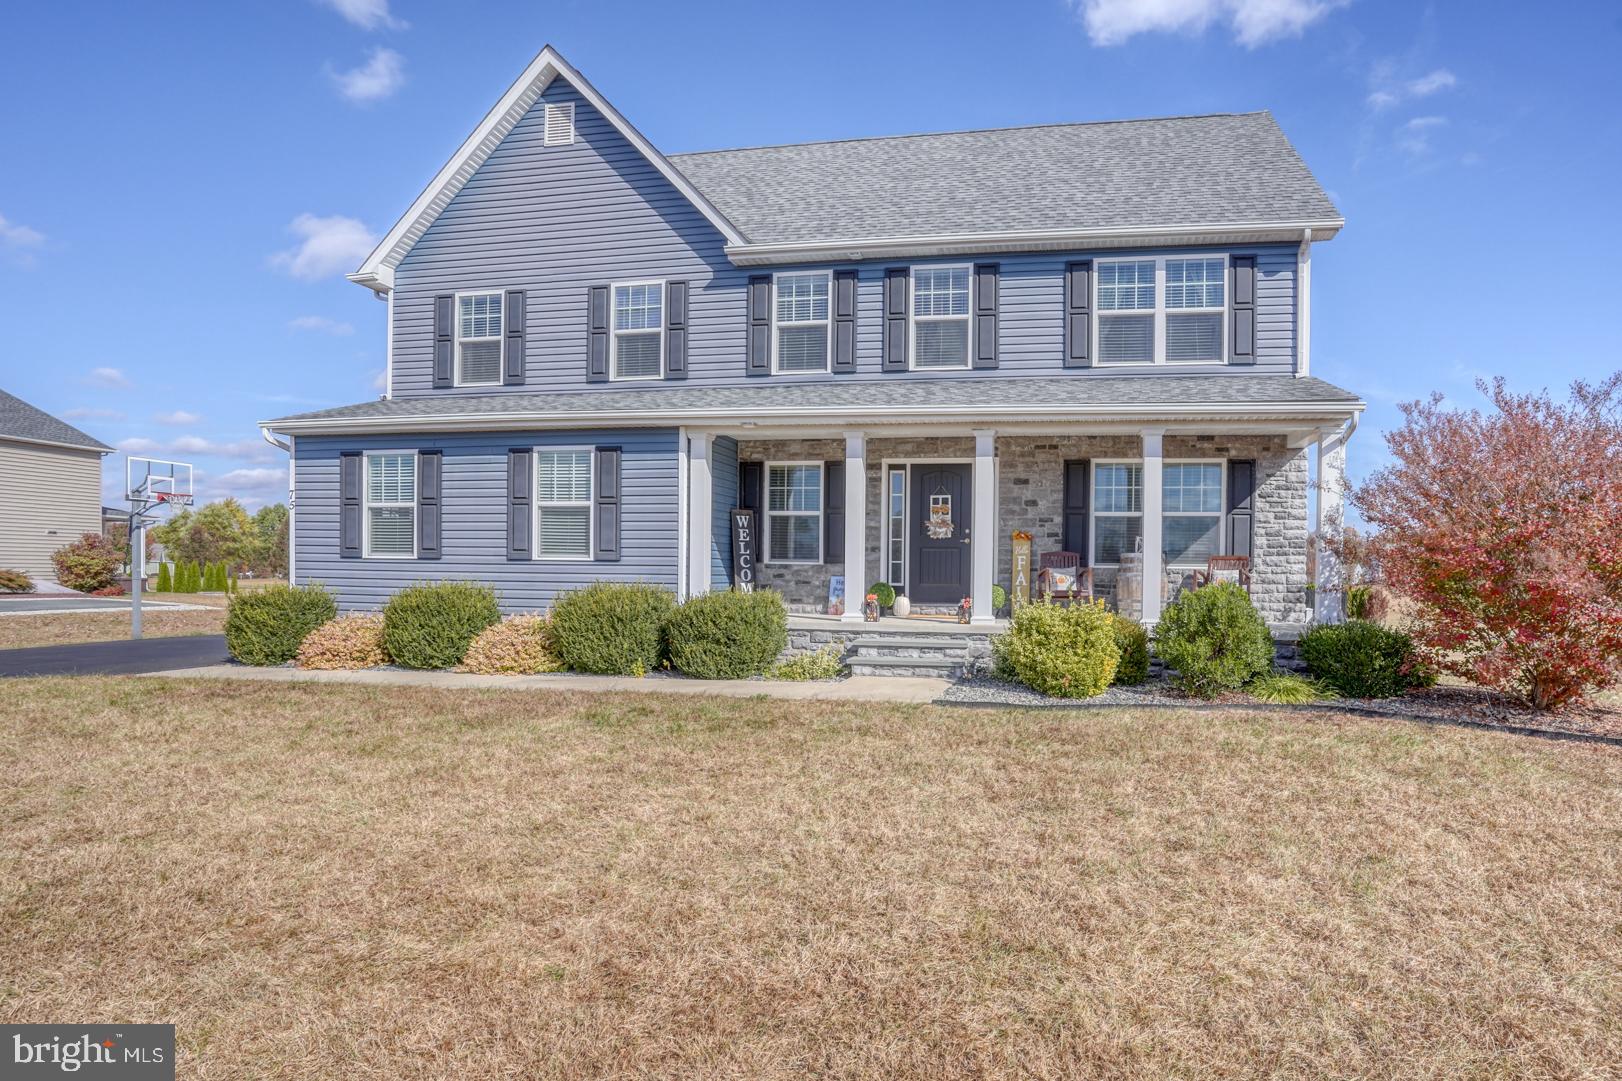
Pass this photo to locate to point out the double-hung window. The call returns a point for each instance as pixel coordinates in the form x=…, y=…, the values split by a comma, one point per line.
x=563, y=480
x=391, y=505
x=802, y=322
x=940, y=317
x=1164, y=310
x=1191, y=511
x=478, y=339
x=639, y=330
x=794, y=512
x=1117, y=510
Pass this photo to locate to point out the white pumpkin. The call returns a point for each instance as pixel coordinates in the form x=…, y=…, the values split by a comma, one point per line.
x=902, y=605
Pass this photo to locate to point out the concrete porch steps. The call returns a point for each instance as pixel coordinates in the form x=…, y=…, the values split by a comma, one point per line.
x=892, y=654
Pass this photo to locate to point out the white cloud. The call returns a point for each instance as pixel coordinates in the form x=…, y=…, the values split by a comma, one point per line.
x=381, y=75
x=13, y=235
x=1426, y=85
x=321, y=324
x=252, y=450
x=367, y=14
x=1389, y=92
x=108, y=377
x=253, y=480
x=179, y=418
x=139, y=445
x=1415, y=135
x=92, y=414
x=1253, y=22
x=327, y=246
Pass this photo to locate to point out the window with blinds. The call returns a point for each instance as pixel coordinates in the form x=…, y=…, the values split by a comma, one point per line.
x=1166, y=310
x=391, y=505
x=794, y=512
x=801, y=313
x=559, y=123
x=478, y=339
x=563, y=480
x=1195, y=294
x=638, y=339
x=1191, y=511
x=1126, y=312
x=940, y=317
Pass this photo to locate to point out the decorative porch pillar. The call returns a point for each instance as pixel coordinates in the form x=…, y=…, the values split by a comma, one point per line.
x=1330, y=521
x=983, y=540
x=1154, y=575
x=855, y=525
x=700, y=509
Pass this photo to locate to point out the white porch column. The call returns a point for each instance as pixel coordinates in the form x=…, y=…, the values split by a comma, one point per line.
x=855, y=525
x=1154, y=574
x=700, y=505
x=1330, y=521
x=983, y=539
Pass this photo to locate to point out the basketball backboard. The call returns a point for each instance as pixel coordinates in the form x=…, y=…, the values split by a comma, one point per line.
x=156, y=480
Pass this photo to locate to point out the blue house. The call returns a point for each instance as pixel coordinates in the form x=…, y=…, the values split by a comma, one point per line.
x=899, y=352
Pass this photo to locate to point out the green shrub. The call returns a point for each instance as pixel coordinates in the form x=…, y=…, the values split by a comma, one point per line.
x=825, y=663
x=88, y=564
x=1133, y=642
x=15, y=582
x=1215, y=639
x=166, y=584
x=1359, y=599
x=1363, y=660
x=612, y=628
x=267, y=627
x=519, y=646
x=999, y=597
x=885, y=592
x=346, y=642
x=727, y=635
x=1285, y=690
x=1064, y=652
x=431, y=624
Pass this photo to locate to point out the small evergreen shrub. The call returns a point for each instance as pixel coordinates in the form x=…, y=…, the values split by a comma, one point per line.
x=999, y=597
x=1133, y=642
x=88, y=564
x=731, y=635
x=825, y=663
x=1363, y=660
x=15, y=582
x=166, y=583
x=431, y=625
x=885, y=592
x=1285, y=690
x=612, y=628
x=519, y=646
x=346, y=642
x=267, y=626
x=1063, y=652
x=1215, y=639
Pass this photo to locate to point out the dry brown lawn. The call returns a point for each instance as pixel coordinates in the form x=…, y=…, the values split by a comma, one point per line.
x=341, y=881
x=23, y=630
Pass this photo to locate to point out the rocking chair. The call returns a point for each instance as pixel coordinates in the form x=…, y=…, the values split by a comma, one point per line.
x=1224, y=569
x=1061, y=576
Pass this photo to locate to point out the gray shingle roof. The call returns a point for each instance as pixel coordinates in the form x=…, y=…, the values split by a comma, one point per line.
x=19, y=420
x=1233, y=392
x=1225, y=169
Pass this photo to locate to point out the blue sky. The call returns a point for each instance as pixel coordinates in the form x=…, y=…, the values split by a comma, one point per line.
x=182, y=186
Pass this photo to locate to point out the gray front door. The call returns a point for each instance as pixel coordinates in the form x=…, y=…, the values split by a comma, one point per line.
x=938, y=559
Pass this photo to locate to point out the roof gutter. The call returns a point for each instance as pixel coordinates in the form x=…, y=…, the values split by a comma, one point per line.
x=99, y=448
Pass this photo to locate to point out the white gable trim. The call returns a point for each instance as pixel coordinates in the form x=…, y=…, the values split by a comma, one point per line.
x=377, y=272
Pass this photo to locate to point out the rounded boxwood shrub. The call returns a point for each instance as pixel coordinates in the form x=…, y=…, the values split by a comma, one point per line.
x=518, y=646
x=430, y=625
x=1363, y=660
x=1215, y=639
x=1064, y=652
x=268, y=625
x=612, y=628
x=1133, y=642
x=885, y=592
x=344, y=643
x=727, y=635
x=88, y=564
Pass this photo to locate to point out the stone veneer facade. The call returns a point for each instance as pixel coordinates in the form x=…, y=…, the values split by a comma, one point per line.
x=1030, y=498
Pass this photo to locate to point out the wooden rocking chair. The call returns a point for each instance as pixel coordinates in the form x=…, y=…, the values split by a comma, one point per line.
x=1061, y=576
x=1224, y=568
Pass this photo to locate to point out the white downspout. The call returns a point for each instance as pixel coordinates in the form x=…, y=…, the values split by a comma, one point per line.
x=1303, y=308
x=388, y=348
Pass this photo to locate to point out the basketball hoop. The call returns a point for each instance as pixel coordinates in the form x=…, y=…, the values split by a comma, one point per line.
x=150, y=485
x=173, y=499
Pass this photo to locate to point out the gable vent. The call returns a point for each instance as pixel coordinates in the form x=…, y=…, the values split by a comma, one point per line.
x=559, y=123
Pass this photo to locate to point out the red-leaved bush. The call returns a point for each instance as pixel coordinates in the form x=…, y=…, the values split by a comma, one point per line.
x=1505, y=527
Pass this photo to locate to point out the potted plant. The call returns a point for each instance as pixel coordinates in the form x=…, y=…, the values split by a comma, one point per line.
x=1312, y=597
x=885, y=592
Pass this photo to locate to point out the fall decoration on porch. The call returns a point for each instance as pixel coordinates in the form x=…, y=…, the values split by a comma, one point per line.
x=870, y=608
x=964, y=608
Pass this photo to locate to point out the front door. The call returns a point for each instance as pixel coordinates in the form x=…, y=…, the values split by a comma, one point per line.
x=939, y=555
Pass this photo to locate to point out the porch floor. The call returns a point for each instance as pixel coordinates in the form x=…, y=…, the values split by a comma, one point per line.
x=922, y=624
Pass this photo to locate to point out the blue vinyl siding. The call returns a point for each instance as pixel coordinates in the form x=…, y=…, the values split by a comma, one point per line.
x=724, y=490
x=474, y=494
x=555, y=220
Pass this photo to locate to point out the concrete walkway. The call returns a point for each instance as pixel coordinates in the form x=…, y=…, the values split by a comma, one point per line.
x=78, y=603
x=857, y=688
x=117, y=658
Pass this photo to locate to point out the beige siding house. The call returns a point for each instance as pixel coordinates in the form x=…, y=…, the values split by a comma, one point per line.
x=50, y=486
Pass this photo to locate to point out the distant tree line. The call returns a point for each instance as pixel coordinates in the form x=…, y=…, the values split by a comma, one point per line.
x=224, y=532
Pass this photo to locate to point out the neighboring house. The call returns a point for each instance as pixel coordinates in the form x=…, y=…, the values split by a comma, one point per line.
x=1092, y=333
x=50, y=486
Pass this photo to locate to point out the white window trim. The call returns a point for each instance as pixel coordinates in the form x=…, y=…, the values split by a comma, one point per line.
x=905, y=465
x=769, y=514
x=893, y=469
x=499, y=337
x=828, y=323
x=546, y=125
x=537, y=506
x=366, y=503
x=1160, y=310
x=913, y=318
x=1093, y=513
x=614, y=333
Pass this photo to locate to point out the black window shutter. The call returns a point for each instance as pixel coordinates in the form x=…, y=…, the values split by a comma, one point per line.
x=1241, y=505
x=759, y=346
x=350, y=481
x=844, y=321
x=985, y=315
x=895, y=319
x=605, y=499
x=429, y=518
x=520, y=461
x=444, y=340
x=1078, y=323
x=752, y=486
x=1077, y=478
x=512, y=368
x=1242, y=347
x=675, y=330
x=833, y=518
x=597, y=334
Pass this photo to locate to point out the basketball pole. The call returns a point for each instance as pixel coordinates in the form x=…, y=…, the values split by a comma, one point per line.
x=137, y=570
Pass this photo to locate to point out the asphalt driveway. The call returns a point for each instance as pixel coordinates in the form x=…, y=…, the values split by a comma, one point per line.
x=115, y=658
